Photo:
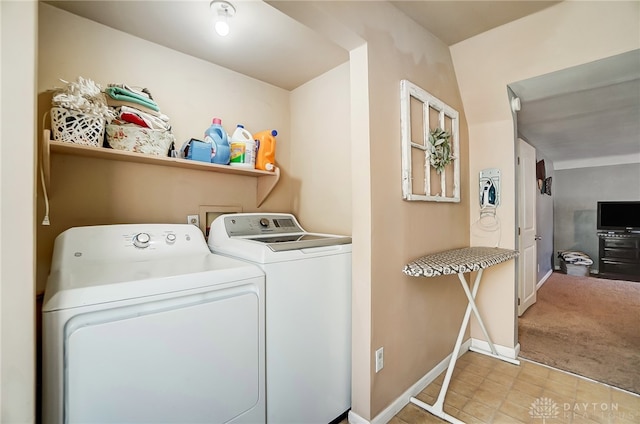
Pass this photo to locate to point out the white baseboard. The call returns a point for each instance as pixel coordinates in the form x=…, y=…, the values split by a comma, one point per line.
x=544, y=279
x=509, y=352
x=403, y=400
x=356, y=419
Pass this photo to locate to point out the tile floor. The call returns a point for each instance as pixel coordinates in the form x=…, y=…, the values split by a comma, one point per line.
x=486, y=390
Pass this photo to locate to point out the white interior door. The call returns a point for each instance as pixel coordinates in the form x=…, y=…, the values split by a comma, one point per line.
x=527, y=226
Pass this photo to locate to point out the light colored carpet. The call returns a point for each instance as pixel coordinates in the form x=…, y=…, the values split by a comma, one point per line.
x=587, y=326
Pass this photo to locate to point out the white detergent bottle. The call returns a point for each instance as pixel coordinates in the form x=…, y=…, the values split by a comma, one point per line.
x=243, y=148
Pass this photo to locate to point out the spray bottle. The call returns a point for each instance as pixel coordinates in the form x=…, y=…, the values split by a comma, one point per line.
x=266, y=158
x=217, y=136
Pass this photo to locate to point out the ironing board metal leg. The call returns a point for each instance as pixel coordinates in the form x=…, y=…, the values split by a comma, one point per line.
x=437, y=408
x=472, y=303
x=453, y=359
x=471, y=297
x=438, y=412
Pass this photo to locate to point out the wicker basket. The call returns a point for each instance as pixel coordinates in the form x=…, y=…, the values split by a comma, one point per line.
x=76, y=127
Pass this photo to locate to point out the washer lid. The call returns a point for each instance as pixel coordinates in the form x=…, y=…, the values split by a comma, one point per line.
x=96, y=282
x=283, y=243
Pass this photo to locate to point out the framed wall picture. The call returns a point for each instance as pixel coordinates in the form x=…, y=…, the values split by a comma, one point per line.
x=430, y=146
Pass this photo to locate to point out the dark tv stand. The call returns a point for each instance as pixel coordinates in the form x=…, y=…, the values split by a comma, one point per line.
x=619, y=255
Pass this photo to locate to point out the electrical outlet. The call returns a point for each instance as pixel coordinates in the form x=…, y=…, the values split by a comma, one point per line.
x=193, y=219
x=379, y=359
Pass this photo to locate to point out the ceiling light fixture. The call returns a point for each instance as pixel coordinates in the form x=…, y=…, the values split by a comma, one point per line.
x=223, y=10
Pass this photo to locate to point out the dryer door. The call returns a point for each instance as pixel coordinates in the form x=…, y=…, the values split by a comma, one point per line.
x=196, y=358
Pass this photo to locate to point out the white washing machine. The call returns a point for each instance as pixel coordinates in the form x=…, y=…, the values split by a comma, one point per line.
x=308, y=312
x=143, y=324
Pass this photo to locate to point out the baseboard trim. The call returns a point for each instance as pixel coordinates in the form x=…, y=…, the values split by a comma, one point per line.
x=356, y=419
x=403, y=400
x=509, y=352
x=544, y=279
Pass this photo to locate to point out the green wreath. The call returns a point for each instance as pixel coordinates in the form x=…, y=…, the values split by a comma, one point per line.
x=439, y=149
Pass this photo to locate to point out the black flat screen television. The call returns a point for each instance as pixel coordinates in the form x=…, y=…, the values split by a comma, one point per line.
x=619, y=216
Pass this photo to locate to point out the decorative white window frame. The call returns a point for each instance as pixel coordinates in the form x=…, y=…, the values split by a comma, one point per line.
x=408, y=90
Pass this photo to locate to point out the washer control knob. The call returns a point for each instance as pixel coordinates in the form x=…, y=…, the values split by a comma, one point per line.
x=171, y=238
x=141, y=240
x=264, y=222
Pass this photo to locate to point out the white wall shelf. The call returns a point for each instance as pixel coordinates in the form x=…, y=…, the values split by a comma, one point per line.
x=266, y=180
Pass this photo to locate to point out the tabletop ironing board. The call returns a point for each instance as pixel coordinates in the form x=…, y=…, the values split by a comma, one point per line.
x=460, y=261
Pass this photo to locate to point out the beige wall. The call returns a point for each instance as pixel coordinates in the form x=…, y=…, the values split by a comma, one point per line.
x=320, y=174
x=415, y=320
x=565, y=35
x=90, y=191
x=18, y=41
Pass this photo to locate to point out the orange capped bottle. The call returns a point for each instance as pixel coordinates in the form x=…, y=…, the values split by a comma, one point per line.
x=266, y=157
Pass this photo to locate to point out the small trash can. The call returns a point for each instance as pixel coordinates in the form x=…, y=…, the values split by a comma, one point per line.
x=573, y=262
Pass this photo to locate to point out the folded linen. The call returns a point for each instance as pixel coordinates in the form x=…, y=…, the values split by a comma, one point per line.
x=143, y=119
x=118, y=93
x=132, y=118
x=117, y=103
x=138, y=90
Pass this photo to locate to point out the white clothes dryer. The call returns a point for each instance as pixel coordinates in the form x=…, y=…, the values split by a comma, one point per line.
x=142, y=323
x=308, y=312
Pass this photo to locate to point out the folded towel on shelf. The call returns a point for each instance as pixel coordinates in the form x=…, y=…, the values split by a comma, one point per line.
x=138, y=90
x=122, y=94
x=118, y=103
x=136, y=116
x=132, y=118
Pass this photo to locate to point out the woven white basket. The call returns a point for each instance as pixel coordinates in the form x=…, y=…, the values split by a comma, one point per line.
x=76, y=127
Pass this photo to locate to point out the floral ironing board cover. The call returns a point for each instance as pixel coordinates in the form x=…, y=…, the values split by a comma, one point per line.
x=457, y=261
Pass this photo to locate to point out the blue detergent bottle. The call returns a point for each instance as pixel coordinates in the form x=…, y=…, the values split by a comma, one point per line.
x=219, y=139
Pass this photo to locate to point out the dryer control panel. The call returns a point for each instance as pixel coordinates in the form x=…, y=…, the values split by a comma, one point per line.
x=276, y=232
x=261, y=224
x=143, y=240
x=128, y=242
